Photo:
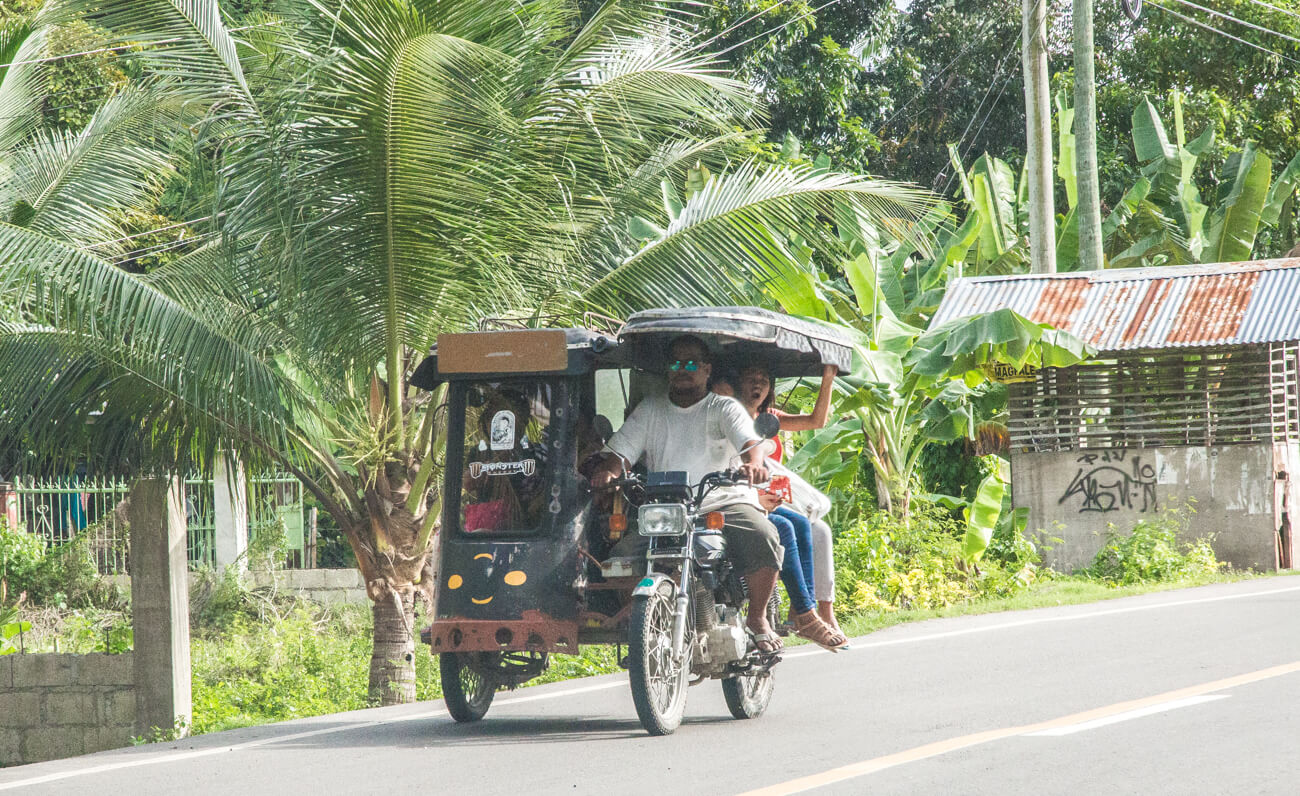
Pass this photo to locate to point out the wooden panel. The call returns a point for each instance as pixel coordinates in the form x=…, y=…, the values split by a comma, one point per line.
x=1206, y=398
x=529, y=351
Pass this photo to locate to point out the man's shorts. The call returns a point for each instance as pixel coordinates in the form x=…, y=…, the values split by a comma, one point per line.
x=752, y=541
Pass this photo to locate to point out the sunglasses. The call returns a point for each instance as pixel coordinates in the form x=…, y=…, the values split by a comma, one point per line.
x=688, y=365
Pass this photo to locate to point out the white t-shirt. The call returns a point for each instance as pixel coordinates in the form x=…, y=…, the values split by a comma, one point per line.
x=701, y=438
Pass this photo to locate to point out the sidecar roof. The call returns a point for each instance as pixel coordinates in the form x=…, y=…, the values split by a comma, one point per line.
x=790, y=346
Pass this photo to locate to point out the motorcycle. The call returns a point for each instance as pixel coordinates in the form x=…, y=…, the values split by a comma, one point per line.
x=527, y=559
x=687, y=620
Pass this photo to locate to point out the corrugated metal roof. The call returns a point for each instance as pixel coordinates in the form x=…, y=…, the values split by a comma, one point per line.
x=1184, y=306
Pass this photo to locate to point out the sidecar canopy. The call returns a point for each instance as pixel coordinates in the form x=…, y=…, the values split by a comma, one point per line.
x=790, y=346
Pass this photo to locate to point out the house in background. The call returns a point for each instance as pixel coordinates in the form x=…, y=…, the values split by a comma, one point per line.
x=1192, y=396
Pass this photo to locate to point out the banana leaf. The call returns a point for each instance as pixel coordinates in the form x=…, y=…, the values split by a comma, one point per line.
x=1246, y=178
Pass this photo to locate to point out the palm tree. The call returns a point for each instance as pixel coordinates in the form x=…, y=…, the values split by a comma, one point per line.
x=391, y=169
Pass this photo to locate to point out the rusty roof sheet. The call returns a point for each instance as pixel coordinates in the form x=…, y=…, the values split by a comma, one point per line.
x=1184, y=306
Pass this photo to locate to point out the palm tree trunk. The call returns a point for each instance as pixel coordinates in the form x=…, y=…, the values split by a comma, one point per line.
x=392, y=660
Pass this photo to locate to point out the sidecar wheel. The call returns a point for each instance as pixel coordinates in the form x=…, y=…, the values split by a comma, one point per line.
x=466, y=690
x=659, y=674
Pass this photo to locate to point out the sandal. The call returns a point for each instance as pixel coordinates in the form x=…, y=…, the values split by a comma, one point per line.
x=772, y=641
x=810, y=626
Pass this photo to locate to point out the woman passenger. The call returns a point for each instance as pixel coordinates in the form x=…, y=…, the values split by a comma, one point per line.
x=756, y=392
x=796, y=568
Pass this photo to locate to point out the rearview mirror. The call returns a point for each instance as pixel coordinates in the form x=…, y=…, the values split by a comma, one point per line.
x=767, y=425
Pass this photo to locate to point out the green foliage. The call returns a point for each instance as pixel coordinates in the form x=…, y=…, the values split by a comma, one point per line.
x=12, y=624
x=21, y=554
x=77, y=86
x=179, y=729
x=313, y=660
x=62, y=576
x=1153, y=552
x=885, y=564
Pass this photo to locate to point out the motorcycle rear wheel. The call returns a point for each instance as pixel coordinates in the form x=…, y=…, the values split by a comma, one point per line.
x=466, y=690
x=658, y=673
x=747, y=695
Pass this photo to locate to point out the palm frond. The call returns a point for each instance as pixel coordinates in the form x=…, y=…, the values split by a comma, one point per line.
x=21, y=43
x=76, y=186
x=179, y=38
x=724, y=236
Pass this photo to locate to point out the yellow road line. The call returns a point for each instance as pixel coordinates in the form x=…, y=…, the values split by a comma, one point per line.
x=965, y=741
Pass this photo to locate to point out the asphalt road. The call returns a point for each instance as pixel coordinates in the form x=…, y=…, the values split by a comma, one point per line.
x=1194, y=691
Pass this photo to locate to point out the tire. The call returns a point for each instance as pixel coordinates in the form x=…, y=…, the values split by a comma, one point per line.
x=658, y=684
x=747, y=695
x=466, y=691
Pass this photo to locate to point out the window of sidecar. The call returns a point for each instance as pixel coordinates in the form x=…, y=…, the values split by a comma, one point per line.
x=509, y=456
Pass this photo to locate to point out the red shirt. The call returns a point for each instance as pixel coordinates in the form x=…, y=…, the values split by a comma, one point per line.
x=779, y=454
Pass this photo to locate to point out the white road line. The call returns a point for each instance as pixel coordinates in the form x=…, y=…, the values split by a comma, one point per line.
x=858, y=645
x=861, y=645
x=1132, y=714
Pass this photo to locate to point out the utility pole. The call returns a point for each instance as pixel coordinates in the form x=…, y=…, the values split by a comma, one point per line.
x=1038, y=137
x=1085, y=141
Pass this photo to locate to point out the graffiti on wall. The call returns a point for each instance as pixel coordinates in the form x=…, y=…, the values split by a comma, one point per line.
x=1113, y=479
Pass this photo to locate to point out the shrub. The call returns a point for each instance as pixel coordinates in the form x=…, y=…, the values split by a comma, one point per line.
x=61, y=576
x=885, y=564
x=1152, y=552
x=21, y=554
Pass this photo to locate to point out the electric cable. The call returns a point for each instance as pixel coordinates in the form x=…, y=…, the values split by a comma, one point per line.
x=997, y=73
x=1241, y=22
x=1225, y=34
x=1276, y=8
x=930, y=84
x=52, y=58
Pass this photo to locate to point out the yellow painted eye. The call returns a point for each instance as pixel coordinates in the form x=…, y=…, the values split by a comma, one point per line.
x=515, y=578
x=454, y=582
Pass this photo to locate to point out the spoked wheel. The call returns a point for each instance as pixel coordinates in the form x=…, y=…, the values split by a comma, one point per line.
x=466, y=689
x=747, y=695
x=658, y=673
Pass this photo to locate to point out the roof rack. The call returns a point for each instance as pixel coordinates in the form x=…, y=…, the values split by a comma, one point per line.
x=592, y=321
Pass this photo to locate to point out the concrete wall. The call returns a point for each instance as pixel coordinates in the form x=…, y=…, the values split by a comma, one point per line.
x=321, y=585
x=54, y=706
x=1085, y=490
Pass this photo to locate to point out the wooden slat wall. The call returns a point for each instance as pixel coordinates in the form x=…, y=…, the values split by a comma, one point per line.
x=1284, y=378
x=1165, y=399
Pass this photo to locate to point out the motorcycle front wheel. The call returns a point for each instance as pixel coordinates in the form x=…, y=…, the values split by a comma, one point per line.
x=658, y=673
x=466, y=690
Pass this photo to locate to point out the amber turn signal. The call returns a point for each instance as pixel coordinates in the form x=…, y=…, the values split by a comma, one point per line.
x=617, y=525
x=714, y=521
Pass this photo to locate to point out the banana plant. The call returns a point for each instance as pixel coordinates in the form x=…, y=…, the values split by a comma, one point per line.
x=1162, y=219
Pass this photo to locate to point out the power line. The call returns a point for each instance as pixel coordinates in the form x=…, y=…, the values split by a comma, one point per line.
x=988, y=23
x=976, y=114
x=151, y=232
x=1225, y=34
x=1241, y=22
x=1276, y=8
x=52, y=58
x=778, y=28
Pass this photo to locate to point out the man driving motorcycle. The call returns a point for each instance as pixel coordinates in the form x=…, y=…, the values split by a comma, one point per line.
x=697, y=431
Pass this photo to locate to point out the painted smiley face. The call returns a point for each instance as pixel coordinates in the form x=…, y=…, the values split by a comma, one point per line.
x=515, y=577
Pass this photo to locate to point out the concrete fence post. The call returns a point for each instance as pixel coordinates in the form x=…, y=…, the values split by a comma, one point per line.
x=160, y=604
x=230, y=510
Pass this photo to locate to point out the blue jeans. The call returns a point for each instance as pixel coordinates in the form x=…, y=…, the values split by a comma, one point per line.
x=796, y=570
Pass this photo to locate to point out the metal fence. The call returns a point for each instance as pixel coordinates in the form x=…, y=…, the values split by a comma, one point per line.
x=60, y=508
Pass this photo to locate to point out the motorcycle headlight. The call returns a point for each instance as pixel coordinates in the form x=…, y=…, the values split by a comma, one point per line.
x=662, y=519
